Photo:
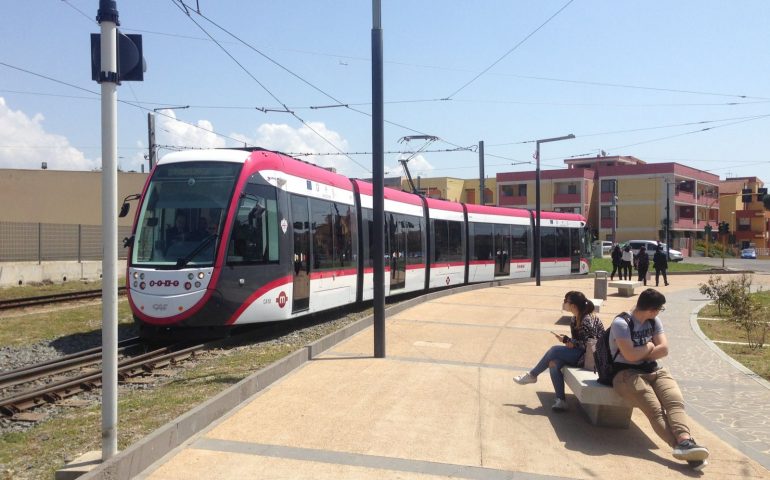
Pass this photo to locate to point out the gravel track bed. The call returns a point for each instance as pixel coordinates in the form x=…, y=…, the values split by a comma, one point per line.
x=16, y=357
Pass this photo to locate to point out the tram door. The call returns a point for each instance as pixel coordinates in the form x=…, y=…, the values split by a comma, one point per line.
x=300, y=216
x=575, y=242
x=502, y=249
x=397, y=254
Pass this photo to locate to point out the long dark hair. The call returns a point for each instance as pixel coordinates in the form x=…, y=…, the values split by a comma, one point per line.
x=584, y=305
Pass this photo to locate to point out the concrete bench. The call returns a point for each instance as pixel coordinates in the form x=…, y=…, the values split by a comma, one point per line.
x=597, y=304
x=625, y=287
x=604, y=407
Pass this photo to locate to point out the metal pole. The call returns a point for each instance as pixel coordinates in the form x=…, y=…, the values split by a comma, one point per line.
x=481, y=173
x=151, y=139
x=668, y=221
x=614, y=212
x=378, y=175
x=537, y=201
x=537, y=213
x=108, y=20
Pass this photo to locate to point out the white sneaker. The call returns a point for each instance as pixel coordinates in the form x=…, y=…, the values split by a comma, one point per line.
x=525, y=379
x=559, y=405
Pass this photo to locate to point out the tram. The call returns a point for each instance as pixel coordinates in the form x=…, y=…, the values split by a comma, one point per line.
x=228, y=237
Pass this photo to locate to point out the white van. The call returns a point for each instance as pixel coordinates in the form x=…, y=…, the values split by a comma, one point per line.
x=651, y=245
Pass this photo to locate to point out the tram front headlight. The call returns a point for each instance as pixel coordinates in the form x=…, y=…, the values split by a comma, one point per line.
x=201, y=275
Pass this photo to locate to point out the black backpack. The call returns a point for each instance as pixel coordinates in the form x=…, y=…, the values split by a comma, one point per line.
x=603, y=359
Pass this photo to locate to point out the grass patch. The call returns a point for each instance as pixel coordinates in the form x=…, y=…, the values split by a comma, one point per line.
x=673, y=267
x=757, y=360
x=62, y=322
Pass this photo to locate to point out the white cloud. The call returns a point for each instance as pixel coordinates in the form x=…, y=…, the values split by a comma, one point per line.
x=169, y=131
x=24, y=143
x=283, y=138
x=418, y=165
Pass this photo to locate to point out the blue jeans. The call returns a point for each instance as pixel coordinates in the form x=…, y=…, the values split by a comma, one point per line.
x=560, y=355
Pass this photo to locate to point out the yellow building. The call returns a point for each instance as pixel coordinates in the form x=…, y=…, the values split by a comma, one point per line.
x=742, y=208
x=622, y=197
x=453, y=189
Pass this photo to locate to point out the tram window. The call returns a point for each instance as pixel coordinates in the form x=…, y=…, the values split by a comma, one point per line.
x=412, y=226
x=321, y=228
x=447, y=241
x=481, y=241
x=520, y=246
x=254, y=237
x=548, y=242
x=343, y=238
x=562, y=242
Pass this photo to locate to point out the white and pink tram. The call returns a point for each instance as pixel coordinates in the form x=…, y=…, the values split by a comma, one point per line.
x=229, y=237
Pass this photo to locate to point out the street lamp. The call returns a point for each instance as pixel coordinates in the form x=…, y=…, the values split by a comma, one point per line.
x=537, y=200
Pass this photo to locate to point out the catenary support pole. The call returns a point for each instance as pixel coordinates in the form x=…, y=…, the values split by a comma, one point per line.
x=378, y=176
x=537, y=214
x=108, y=20
x=482, y=200
x=151, y=139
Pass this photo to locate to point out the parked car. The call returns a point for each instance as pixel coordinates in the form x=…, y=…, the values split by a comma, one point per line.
x=750, y=252
x=606, y=246
x=651, y=245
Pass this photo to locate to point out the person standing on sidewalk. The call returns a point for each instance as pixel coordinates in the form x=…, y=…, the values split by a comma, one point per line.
x=651, y=388
x=642, y=264
x=660, y=264
x=625, y=263
x=617, y=258
x=584, y=325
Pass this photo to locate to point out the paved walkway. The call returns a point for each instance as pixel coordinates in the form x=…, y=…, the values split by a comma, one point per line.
x=442, y=404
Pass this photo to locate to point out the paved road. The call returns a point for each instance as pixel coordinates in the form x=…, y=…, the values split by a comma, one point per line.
x=759, y=266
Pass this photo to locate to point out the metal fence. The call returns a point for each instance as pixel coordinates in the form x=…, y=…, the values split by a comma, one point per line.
x=40, y=242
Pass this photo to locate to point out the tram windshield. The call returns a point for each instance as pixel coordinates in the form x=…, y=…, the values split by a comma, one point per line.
x=183, y=214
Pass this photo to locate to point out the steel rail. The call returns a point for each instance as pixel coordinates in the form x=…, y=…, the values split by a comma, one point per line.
x=127, y=367
x=53, y=298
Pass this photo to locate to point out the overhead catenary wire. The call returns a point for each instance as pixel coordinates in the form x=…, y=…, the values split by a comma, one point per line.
x=292, y=113
x=521, y=42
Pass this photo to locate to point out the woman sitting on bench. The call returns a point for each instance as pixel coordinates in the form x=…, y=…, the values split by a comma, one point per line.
x=584, y=325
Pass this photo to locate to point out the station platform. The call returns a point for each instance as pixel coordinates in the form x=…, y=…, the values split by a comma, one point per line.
x=442, y=404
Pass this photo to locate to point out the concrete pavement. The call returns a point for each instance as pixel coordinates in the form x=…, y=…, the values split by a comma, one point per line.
x=442, y=404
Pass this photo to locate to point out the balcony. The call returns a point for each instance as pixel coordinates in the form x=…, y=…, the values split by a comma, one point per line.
x=684, y=196
x=513, y=200
x=566, y=198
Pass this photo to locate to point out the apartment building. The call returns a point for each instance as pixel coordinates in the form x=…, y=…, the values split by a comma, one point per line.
x=622, y=197
x=742, y=208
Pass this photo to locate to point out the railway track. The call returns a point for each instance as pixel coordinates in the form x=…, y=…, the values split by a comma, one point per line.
x=55, y=298
x=87, y=364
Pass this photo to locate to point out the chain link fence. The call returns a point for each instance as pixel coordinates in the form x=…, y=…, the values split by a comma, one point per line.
x=41, y=242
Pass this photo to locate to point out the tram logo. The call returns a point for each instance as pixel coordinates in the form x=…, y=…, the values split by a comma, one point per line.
x=282, y=299
x=284, y=225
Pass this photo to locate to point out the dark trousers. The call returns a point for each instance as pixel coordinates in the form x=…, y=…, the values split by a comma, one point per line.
x=615, y=268
x=642, y=274
x=625, y=270
x=657, y=276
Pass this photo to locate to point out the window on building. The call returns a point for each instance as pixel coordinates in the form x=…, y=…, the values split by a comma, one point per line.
x=608, y=185
x=506, y=190
x=521, y=190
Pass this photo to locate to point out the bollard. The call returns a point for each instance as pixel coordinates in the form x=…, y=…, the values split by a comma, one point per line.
x=600, y=285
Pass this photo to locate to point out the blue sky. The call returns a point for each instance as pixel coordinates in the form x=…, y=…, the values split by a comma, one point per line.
x=629, y=78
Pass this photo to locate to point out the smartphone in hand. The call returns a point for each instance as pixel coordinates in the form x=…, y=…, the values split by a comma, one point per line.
x=562, y=338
